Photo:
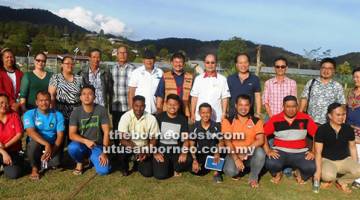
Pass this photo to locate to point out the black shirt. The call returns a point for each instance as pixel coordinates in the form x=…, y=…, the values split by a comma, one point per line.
x=206, y=137
x=335, y=146
x=171, y=129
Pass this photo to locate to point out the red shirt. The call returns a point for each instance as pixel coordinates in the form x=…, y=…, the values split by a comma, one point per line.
x=7, y=87
x=10, y=129
x=290, y=137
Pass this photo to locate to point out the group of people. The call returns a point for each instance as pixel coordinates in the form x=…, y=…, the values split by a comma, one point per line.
x=313, y=137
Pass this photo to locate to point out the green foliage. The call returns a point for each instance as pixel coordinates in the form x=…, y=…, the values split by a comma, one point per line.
x=164, y=53
x=344, y=69
x=228, y=49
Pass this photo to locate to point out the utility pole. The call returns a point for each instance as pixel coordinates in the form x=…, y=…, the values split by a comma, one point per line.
x=258, y=60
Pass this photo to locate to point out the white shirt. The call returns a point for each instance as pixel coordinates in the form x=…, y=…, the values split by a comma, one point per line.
x=12, y=76
x=146, y=84
x=210, y=90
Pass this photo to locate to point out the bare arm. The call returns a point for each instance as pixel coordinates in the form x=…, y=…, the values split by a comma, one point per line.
x=31, y=132
x=131, y=94
x=303, y=104
x=52, y=91
x=159, y=104
x=194, y=101
x=14, y=140
x=73, y=135
x=106, y=130
x=268, y=110
x=353, y=151
x=259, y=140
x=224, y=106
x=318, y=160
x=258, y=102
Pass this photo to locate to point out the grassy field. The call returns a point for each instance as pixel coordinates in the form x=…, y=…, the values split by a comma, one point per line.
x=62, y=184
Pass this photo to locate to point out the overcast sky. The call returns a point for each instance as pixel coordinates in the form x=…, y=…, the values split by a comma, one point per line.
x=293, y=25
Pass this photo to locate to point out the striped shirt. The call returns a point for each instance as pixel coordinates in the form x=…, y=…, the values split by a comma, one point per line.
x=120, y=74
x=275, y=91
x=290, y=138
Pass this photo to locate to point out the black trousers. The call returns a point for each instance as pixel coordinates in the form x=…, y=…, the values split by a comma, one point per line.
x=294, y=160
x=163, y=170
x=34, y=152
x=15, y=170
x=116, y=116
x=144, y=167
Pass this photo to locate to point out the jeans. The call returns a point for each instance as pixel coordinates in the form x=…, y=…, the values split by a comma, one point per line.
x=79, y=151
x=255, y=162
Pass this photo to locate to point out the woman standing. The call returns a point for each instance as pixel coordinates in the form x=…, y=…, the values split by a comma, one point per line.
x=10, y=140
x=33, y=82
x=65, y=88
x=10, y=78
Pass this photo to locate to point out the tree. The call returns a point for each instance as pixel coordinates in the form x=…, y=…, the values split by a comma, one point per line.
x=163, y=53
x=343, y=71
x=228, y=49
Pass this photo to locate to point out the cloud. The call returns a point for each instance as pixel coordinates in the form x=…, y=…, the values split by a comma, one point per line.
x=94, y=22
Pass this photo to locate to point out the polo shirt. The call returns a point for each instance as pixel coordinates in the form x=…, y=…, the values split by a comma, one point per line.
x=10, y=129
x=248, y=129
x=210, y=90
x=249, y=86
x=179, y=79
x=290, y=138
x=206, y=137
x=140, y=130
x=335, y=146
x=171, y=129
x=146, y=84
x=47, y=125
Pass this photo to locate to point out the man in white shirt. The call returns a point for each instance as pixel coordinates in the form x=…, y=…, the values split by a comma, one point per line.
x=212, y=88
x=145, y=80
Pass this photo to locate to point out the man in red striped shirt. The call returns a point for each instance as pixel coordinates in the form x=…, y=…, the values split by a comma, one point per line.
x=290, y=129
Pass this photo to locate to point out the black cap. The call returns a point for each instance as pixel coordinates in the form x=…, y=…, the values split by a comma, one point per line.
x=149, y=54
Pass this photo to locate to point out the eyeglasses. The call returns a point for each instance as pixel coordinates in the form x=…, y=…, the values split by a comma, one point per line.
x=39, y=60
x=209, y=62
x=280, y=66
x=326, y=68
x=67, y=63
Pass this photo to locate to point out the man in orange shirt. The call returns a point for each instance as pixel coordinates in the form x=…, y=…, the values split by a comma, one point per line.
x=244, y=137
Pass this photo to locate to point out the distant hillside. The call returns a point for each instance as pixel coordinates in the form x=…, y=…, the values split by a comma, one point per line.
x=352, y=58
x=38, y=17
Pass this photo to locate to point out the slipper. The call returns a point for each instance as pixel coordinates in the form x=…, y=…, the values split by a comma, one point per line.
x=253, y=184
x=77, y=172
x=276, y=179
x=343, y=188
x=325, y=185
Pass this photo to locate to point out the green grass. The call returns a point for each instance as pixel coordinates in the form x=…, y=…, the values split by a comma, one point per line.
x=63, y=185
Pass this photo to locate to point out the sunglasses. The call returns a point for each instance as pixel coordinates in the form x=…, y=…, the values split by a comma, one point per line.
x=39, y=60
x=280, y=66
x=210, y=62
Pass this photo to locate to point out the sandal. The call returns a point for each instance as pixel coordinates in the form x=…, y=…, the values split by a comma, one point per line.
x=177, y=174
x=253, y=184
x=298, y=178
x=343, y=188
x=276, y=179
x=77, y=172
x=325, y=185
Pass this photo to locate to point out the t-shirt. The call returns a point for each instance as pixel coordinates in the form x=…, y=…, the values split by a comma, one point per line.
x=171, y=128
x=243, y=133
x=249, y=86
x=10, y=129
x=206, y=137
x=90, y=128
x=145, y=127
x=290, y=138
x=335, y=146
x=47, y=125
x=31, y=85
x=12, y=77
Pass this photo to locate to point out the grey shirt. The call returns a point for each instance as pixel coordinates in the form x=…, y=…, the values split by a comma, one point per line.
x=90, y=128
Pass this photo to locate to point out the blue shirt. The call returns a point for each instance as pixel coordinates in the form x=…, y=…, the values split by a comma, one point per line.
x=179, y=79
x=46, y=125
x=353, y=116
x=249, y=86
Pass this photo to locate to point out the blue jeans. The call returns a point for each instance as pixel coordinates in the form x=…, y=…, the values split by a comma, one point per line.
x=79, y=151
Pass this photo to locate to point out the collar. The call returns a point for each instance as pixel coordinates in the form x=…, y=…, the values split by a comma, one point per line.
x=125, y=65
x=152, y=72
x=134, y=116
x=174, y=74
x=330, y=82
x=284, y=80
x=97, y=71
x=282, y=114
x=209, y=75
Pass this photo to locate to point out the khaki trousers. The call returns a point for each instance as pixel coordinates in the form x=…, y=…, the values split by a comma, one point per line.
x=348, y=169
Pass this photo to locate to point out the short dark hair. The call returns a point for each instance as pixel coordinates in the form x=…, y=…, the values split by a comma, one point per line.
x=88, y=86
x=290, y=98
x=357, y=69
x=205, y=105
x=138, y=98
x=244, y=97
x=333, y=106
x=40, y=53
x=67, y=57
x=328, y=60
x=178, y=55
x=173, y=97
x=280, y=58
x=95, y=50
x=43, y=92
x=241, y=54
x=211, y=54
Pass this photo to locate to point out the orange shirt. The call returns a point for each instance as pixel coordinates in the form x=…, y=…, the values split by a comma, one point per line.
x=243, y=133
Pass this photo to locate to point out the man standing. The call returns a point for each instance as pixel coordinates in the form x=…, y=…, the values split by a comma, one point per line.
x=118, y=86
x=45, y=127
x=319, y=93
x=97, y=77
x=290, y=129
x=277, y=88
x=138, y=129
x=212, y=88
x=243, y=82
x=253, y=136
x=89, y=131
x=144, y=81
x=176, y=82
